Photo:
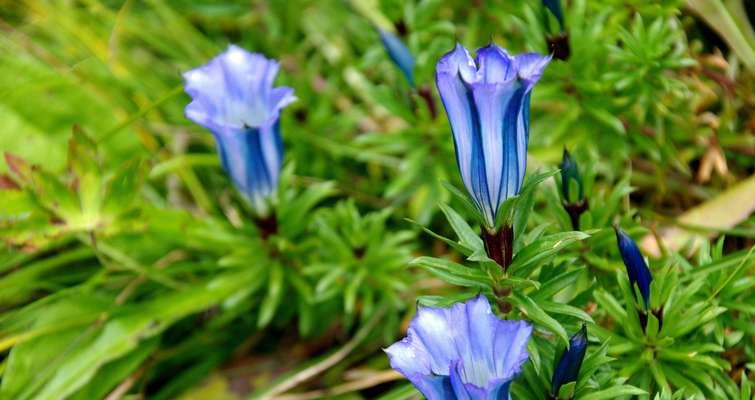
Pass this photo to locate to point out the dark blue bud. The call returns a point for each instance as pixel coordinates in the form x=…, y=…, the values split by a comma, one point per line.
x=570, y=362
x=555, y=8
x=637, y=269
x=570, y=172
x=399, y=54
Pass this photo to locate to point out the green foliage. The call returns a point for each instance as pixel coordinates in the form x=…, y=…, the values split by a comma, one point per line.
x=597, y=380
x=132, y=268
x=674, y=337
x=358, y=261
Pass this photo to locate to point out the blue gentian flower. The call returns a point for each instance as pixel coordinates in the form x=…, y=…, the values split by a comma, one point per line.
x=233, y=96
x=637, y=269
x=399, y=53
x=461, y=352
x=567, y=369
x=488, y=105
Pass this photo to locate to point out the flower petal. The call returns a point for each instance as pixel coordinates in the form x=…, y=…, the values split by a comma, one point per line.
x=410, y=357
x=475, y=351
x=497, y=389
x=530, y=67
x=511, y=347
x=499, y=109
x=522, y=139
x=234, y=90
x=252, y=159
x=495, y=65
x=453, y=73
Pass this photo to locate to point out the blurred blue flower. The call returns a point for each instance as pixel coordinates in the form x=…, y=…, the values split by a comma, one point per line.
x=637, y=269
x=233, y=97
x=461, y=352
x=555, y=8
x=488, y=105
x=399, y=53
x=567, y=369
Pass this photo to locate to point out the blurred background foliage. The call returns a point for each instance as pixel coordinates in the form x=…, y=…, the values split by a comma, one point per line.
x=131, y=269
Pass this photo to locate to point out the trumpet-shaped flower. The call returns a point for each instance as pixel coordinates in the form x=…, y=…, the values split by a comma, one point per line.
x=233, y=96
x=487, y=101
x=461, y=352
x=637, y=268
x=567, y=369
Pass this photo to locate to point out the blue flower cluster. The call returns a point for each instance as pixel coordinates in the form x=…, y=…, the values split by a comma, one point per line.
x=460, y=352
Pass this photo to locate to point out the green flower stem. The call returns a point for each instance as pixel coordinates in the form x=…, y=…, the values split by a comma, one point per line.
x=575, y=210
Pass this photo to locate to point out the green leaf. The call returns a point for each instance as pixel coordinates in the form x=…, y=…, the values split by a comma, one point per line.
x=556, y=284
x=123, y=189
x=607, y=119
x=593, y=361
x=542, y=250
x=676, y=376
x=53, y=195
x=567, y=391
x=534, y=355
x=84, y=166
x=464, y=200
x=745, y=387
x=446, y=300
x=454, y=244
x=115, y=372
x=614, y=392
x=565, y=309
x=454, y=273
x=467, y=237
x=658, y=375
x=293, y=213
x=350, y=294
x=529, y=308
x=611, y=305
x=651, y=330
x=515, y=211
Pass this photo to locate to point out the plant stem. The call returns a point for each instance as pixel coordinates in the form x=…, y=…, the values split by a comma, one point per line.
x=500, y=245
x=266, y=225
x=575, y=210
x=558, y=44
x=427, y=95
